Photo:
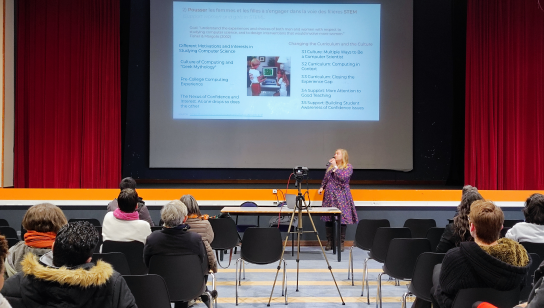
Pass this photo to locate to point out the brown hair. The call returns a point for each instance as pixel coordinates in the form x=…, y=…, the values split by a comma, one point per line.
x=461, y=225
x=534, y=209
x=44, y=217
x=488, y=219
x=3, y=251
x=191, y=204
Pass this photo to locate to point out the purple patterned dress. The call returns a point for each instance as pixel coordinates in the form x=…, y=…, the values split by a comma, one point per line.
x=337, y=194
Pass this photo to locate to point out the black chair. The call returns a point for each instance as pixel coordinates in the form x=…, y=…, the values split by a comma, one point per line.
x=183, y=275
x=93, y=221
x=4, y=222
x=503, y=232
x=378, y=252
x=401, y=260
x=242, y=228
x=23, y=231
x=502, y=299
x=434, y=235
x=225, y=236
x=150, y=291
x=157, y=228
x=422, y=278
x=524, y=294
x=134, y=252
x=537, y=248
x=364, y=237
x=509, y=223
x=419, y=227
x=117, y=260
x=256, y=250
x=12, y=241
x=100, y=239
x=8, y=232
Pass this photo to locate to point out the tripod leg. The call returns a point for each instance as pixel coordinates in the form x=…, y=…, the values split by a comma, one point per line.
x=325, y=255
x=281, y=258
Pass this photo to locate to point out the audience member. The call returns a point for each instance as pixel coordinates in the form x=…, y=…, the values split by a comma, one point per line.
x=486, y=262
x=532, y=230
x=42, y=222
x=65, y=276
x=3, y=252
x=123, y=224
x=199, y=223
x=458, y=231
x=175, y=238
x=141, y=209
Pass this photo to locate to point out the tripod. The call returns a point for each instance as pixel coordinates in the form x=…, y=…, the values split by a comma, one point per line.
x=300, y=206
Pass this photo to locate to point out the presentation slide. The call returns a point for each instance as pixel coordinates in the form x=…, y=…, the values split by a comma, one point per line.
x=276, y=61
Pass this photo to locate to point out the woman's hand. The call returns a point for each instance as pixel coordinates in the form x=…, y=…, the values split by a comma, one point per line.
x=333, y=162
x=320, y=190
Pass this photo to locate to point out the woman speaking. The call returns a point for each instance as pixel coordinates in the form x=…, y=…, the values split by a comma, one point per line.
x=337, y=194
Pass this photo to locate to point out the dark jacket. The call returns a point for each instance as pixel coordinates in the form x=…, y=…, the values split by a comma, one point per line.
x=142, y=210
x=87, y=285
x=449, y=239
x=470, y=266
x=176, y=241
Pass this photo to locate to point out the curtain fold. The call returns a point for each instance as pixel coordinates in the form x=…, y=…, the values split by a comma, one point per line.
x=67, y=130
x=504, y=117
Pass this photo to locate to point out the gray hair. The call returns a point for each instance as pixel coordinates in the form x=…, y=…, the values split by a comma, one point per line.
x=173, y=213
x=191, y=204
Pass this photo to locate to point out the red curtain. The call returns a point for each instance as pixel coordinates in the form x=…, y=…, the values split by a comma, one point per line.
x=67, y=130
x=504, y=115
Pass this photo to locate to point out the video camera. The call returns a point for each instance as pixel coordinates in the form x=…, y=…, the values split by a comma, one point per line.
x=300, y=173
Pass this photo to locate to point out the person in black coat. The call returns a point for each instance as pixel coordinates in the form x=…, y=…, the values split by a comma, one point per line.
x=487, y=262
x=65, y=277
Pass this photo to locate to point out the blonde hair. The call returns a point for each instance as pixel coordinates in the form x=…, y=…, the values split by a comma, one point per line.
x=345, y=159
x=44, y=217
x=255, y=61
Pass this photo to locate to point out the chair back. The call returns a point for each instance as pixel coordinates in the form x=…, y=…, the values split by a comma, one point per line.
x=419, y=227
x=117, y=260
x=261, y=245
x=100, y=239
x=249, y=204
x=422, y=278
x=225, y=235
x=134, y=252
x=402, y=256
x=381, y=241
x=8, y=232
x=93, y=221
x=509, y=223
x=366, y=230
x=4, y=222
x=23, y=231
x=502, y=299
x=537, y=248
x=150, y=291
x=536, y=260
x=242, y=227
x=503, y=231
x=434, y=235
x=12, y=241
x=156, y=228
x=182, y=273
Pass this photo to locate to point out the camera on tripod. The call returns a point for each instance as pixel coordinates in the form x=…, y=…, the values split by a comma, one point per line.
x=300, y=172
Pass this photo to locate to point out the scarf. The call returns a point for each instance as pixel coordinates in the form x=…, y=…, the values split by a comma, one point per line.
x=125, y=216
x=40, y=239
x=203, y=217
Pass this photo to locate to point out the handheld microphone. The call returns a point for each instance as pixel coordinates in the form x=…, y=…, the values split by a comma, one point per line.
x=328, y=163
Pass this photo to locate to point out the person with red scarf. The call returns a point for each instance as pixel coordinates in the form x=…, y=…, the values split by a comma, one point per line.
x=42, y=222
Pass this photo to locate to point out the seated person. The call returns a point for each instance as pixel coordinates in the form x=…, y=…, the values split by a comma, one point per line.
x=65, y=276
x=123, y=224
x=532, y=230
x=141, y=209
x=487, y=262
x=3, y=252
x=175, y=238
x=42, y=222
x=458, y=231
x=199, y=223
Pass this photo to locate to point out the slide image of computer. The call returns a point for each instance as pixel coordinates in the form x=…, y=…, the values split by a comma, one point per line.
x=268, y=76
